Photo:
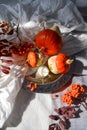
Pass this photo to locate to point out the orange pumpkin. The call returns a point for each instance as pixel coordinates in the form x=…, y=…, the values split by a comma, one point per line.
x=63, y=63
x=32, y=59
x=49, y=42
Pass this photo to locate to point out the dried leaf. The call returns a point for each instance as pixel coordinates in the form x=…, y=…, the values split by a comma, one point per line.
x=54, y=117
x=62, y=124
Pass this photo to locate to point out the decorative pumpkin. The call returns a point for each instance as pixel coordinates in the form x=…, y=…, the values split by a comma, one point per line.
x=59, y=63
x=42, y=71
x=32, y=59
x=63, y=63
x=49, y=42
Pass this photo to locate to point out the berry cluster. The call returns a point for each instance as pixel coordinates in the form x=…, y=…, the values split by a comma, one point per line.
x=73, y=93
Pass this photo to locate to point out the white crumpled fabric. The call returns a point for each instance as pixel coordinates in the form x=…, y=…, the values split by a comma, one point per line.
x=10, y=84
x=32, y=16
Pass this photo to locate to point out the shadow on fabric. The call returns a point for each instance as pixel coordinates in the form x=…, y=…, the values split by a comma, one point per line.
x=22, y=101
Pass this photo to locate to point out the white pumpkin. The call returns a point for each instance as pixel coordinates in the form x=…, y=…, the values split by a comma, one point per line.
x=42, y=72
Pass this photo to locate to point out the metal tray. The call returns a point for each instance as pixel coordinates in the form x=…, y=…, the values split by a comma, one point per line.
x=56, y=84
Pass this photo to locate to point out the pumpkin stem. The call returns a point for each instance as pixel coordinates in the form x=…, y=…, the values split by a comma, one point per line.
x=42, y=48
x=69, y=61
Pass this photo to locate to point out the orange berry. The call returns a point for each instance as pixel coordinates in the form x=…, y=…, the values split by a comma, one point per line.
x=82, y=89
x=20, y=52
